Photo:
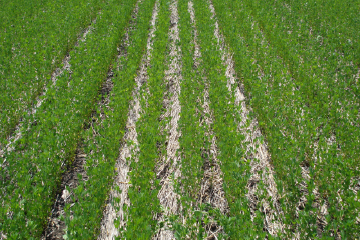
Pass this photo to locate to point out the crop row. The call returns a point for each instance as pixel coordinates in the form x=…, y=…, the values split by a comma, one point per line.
x=285, y=67
x=145, y=186
x=168, y=167
x=299, y=131
x=137, y=219
x=202, y=207
x=104, y=139
x=268, y=84
x=35, y=38
x=231, y=148
x=34, y=169
x=323, y=66
x=185, y=224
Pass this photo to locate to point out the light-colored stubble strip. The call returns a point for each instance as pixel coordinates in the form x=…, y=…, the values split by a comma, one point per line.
x=127, y=151
x=19, y=128
x=261, y=169
x=211, y=190
x=305, y=173
x=322, y=206
x=170, y=165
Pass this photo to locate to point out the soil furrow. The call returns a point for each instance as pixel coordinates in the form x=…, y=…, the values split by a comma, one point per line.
x=169, y=168
x=212, y=169
x=197, y=53
x=320, y=204
x=211, y=190
x=115, y=211
x=56, y=224
x=322, y=208
x=259, y=157
x=25, y=126
x=22, y=126
x=305, y=173
x=70, y=179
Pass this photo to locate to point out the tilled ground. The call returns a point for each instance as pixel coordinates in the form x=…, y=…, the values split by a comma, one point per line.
x=261, y=189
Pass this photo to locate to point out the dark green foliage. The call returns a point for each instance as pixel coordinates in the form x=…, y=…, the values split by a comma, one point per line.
x=298, y=84
x=145, y=187
x=226, y=120
x=35, y=37
x=35, y=167
x=103, y=148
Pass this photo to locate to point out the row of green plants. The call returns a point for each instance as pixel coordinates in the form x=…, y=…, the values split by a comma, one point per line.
x=323, y=63
x=35, y=37
x=190, y=222
x=289, y=85
x=195, y=216
x=145, y=205
x=33, y=172
x=230, y=141
x=102, y=146
x=292, y=122
x=335, y=47
x=270, y=94
x=192, y=139
x=327, y=78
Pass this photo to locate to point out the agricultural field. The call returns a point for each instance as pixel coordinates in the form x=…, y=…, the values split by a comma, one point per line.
x=174, y=119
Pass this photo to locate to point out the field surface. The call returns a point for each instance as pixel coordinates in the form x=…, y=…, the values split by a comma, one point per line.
x=180, y=119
